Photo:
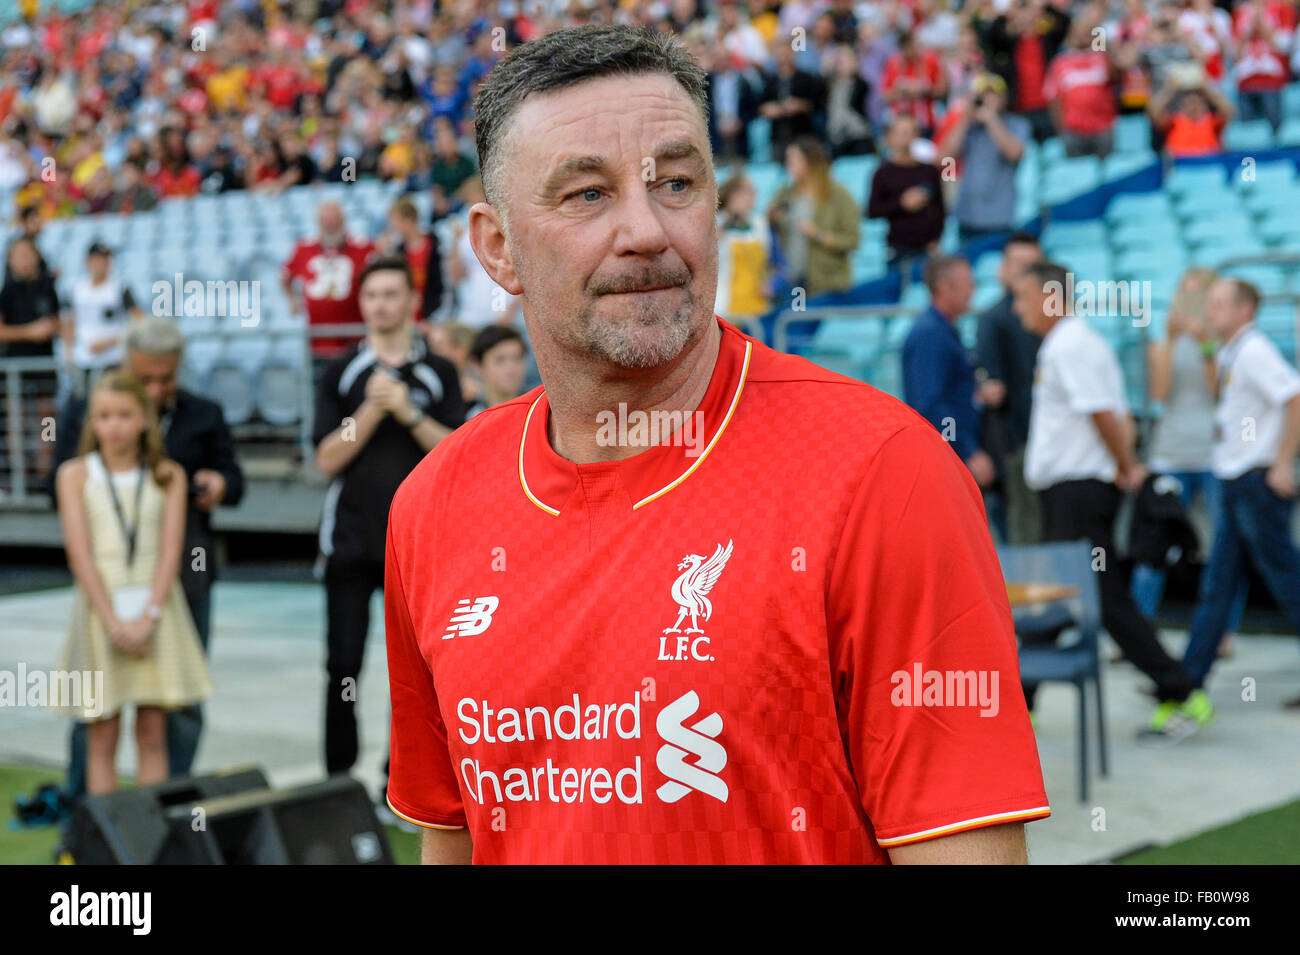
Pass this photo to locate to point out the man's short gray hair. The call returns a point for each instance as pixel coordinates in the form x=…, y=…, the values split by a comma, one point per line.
x=561, y=59
x=154, y=335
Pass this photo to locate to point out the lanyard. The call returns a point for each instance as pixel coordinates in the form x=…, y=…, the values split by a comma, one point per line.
x=128, y=532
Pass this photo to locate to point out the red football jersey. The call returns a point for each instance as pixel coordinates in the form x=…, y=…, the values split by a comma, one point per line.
x=328, y=278
x=737, y=646
x=928, y=70
x=1082, y=80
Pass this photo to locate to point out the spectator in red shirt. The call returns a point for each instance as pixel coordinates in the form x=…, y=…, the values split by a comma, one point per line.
x=280, y=81
x=912, y=82
x=1019, y=44
x=320, y=277
x=1195, y=127
x=1080, y=91
x=420, y=249
x=176, y=175
x=1277, y=16
x=1261, y=73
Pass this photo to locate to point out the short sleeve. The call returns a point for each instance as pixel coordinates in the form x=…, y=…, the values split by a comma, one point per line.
x=923, y=654
x=422, y=783
x=1091, y=378
x=1268, y=372
x=1019, y=127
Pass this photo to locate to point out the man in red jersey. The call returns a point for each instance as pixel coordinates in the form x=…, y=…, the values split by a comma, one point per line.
x=693, y=600
x=324, y=270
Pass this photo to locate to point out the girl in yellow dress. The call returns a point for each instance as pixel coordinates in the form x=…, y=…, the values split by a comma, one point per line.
x=122, y=506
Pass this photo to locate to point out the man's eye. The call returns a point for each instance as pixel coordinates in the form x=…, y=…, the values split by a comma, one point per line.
x=681, y=181
x=591, y=193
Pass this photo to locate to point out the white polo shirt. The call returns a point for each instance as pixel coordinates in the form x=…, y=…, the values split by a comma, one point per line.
x=1076, y=376
x=1255, y=383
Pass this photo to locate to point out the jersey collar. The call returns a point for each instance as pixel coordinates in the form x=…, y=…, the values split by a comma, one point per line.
x=549, y=481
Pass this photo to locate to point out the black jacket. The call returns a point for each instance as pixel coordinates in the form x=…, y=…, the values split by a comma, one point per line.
x=1008, y=353
x=747, y=109
x=1000, y=45
x=802, y=85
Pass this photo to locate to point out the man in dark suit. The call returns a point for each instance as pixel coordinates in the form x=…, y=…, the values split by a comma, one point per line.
x=791, y=100
x=1005, y=354
x=733, y=104
x=196, y=437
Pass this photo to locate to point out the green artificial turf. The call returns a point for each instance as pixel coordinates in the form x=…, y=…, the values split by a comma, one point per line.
x=1266, y=838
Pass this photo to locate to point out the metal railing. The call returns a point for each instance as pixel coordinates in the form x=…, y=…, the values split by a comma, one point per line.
x=878, y=322
x=23, y=479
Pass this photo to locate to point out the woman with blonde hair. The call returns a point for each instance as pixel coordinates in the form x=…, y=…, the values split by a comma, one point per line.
x=1181, y=375
x=122, y=507
x=816, y=220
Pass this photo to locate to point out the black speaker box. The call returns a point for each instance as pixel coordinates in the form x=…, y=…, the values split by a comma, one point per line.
x=327, y=823
x=127, y=827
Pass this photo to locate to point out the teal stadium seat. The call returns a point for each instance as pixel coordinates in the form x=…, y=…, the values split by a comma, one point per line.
x=1144, y=233
x=854, y=174
x=1138, y=206
x=1256, y=134
x=1266, y=177
x=1089, y=232
x=1183, y=181
x=1289, y=133
x=1269, y=279
x=1132, y=134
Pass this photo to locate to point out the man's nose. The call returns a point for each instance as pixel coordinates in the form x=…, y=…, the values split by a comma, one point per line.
x=639, y=228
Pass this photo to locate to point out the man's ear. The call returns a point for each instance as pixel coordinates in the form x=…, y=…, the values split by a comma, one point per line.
x=488, y=239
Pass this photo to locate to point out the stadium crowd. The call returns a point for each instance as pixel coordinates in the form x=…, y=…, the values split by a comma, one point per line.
x=143, y=102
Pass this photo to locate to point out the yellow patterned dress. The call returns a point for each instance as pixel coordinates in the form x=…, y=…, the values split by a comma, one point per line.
x=174, y=672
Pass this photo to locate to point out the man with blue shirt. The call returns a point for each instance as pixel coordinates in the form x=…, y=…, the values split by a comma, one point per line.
x=938, y=378
x=989, y=144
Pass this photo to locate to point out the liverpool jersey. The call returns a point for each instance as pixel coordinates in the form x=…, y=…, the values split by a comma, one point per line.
x=778, y=635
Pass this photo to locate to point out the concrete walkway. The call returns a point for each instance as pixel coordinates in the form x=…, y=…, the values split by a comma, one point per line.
x=268, y=667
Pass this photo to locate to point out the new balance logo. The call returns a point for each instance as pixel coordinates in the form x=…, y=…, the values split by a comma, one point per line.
x=471, y=617
x=681, y=741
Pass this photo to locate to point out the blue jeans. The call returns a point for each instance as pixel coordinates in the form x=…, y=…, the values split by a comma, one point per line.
x=1148, y=585
x=1256, y=527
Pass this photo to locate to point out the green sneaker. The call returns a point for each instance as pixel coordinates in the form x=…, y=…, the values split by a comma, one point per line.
x=1198, y=707
x=1161, y=717
x=1169, y=724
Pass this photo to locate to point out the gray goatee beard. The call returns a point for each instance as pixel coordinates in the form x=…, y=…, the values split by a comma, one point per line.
x=648, y=340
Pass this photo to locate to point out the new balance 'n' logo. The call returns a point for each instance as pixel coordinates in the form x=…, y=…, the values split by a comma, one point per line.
x=681, y=741
x=471, y=617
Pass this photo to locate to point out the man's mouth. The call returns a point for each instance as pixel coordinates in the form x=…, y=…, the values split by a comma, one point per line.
x=648, y=288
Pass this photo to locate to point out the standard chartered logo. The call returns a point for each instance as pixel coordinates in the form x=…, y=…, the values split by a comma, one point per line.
x=617, y=776
x=680, y=741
